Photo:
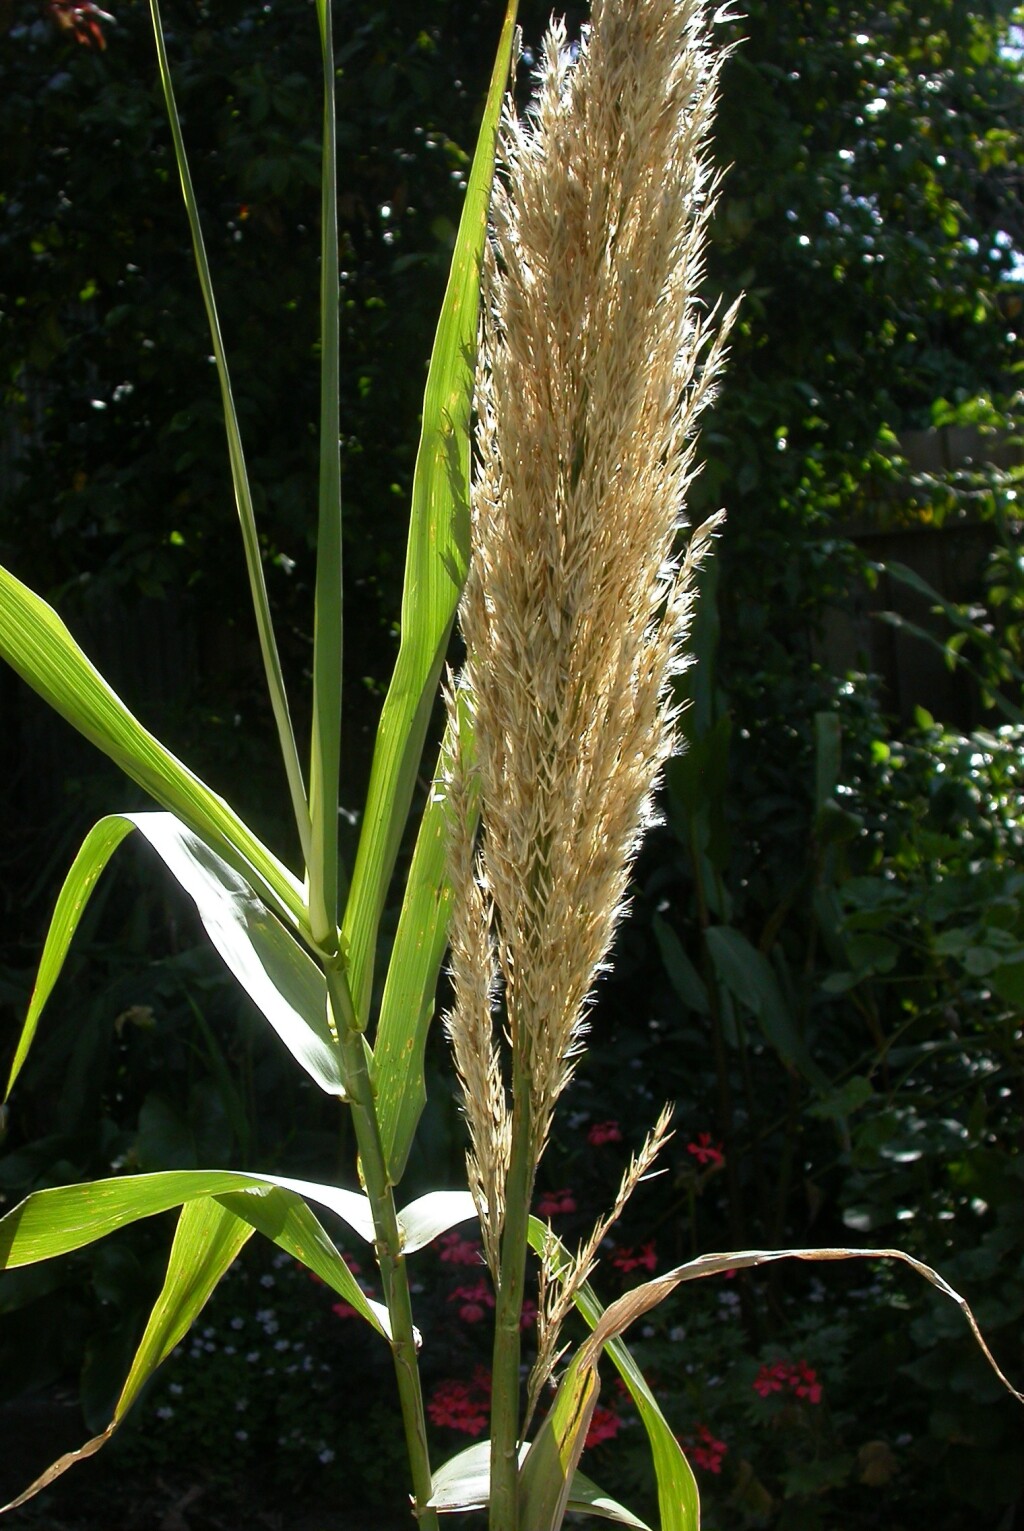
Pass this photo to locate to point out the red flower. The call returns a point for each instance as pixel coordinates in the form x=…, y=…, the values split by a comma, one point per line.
x=704, y=1450
x=794, y=1376
x=82, y=19
x=343, y=1309
x=459, y=1251
x=604, y=1426
x=552, y=1202
x=528, y=1315
x=706, y=1152
x=475, y=1301
x=462, y=1405
x=627, y=1259
x=604, y=1132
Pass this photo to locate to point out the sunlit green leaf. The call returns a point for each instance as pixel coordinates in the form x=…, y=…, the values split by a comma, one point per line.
x=425, y=1219
x=35, y=642
x=436, y=560
x=279, y=976
x=464, y=1483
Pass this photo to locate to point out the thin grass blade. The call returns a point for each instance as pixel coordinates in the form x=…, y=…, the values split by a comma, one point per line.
x=327, y=624
x=99, y=845
x=35, y=642
x=239, y=473
x=407, y=1004
x=436, y=560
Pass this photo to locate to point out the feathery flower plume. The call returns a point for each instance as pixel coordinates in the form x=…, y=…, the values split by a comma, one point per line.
x=595, y=361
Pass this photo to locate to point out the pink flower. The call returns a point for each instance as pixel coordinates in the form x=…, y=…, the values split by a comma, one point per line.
x=706, y=1152
x=794, y=1376
x=704, y=1450
x=353, y=1264
x=604, y=1426
x=462, y=1405
x=552, y=1202
x=457, y=1250
x=627, y=1259
x=528, y=1315
x=475, y=1301
x=604, y=1132
x=343, y=1309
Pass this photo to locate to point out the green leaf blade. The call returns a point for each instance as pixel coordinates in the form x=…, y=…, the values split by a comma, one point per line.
x=36, y=643
x=239, y=472
x=437, y=558
x=325, y=755
x=97, y=848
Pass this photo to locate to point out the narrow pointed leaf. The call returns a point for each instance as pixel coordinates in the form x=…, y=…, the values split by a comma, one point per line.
x=206, y=1242
x=407, y=1005
x=35, y=642
x=279, y=976
x=99, y=845
x=327, y=620
x=678, y=1498
x=239, y=473
x=437, y=557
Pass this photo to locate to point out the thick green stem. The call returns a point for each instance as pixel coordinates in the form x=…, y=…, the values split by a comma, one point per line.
x=390, y=1259
x=504, y=1512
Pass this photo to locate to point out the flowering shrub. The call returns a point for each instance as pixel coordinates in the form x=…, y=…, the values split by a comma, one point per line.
x=551, y=1203
x=604, y=1132
x=604, y=1426
x=705, y=1152
x=627, y=1260
x=793, y=1376
x=463, y=1406
x=705, y=1450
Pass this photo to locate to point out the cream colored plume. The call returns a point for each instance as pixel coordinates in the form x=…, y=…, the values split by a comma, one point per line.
x=596, y=358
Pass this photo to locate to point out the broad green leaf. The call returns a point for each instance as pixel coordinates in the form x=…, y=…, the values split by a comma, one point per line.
x=279, y=976
x=464, y=1483
x=436, y=560
x=207, y=1240
x=407, y=1005
x=747, y=974
x=1008, y=982
x=678, y=1499
x=239, y=473
x=426, y=1218
x=36, y=643
x=325, y=753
